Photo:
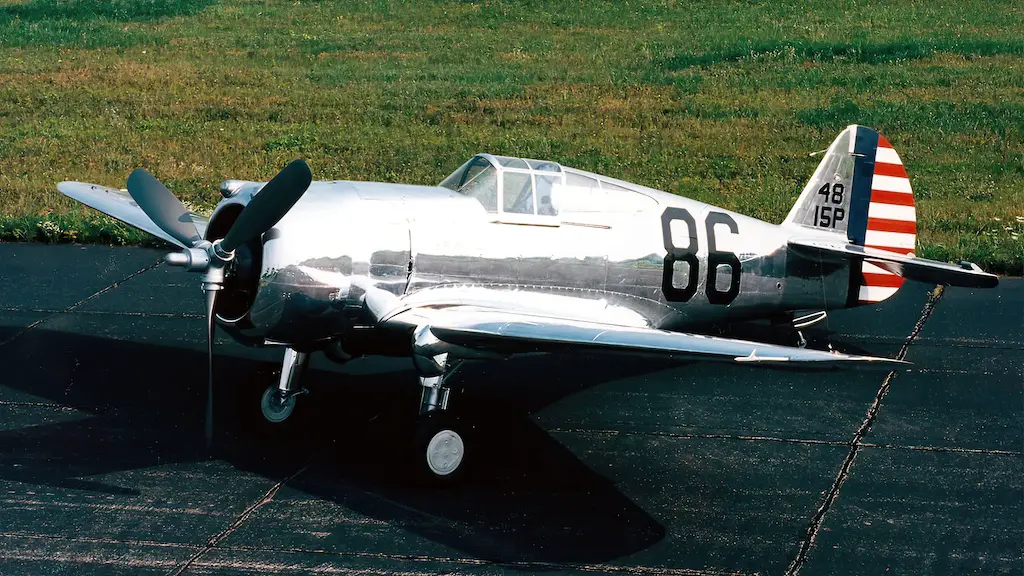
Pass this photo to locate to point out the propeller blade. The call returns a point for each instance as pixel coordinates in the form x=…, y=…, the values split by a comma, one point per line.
x=211, y=299
x=162, y=207
x=270, y=205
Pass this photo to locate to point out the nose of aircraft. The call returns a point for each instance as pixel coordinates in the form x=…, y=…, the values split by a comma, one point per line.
x=198, y=255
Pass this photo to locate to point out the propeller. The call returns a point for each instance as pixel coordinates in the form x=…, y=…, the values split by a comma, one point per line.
x=264, y=210
x=270, y=205
x=211, y=301
x=162, y=207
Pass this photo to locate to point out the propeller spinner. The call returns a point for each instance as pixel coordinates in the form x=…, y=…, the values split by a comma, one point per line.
x=198, y=255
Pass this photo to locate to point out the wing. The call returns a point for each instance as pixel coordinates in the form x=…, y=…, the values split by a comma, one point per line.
x=908, y=267
x=118, y=204
x=502, y=332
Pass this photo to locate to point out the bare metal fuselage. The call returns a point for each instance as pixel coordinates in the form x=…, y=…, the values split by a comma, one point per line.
x=351, y=253
x=516, y=255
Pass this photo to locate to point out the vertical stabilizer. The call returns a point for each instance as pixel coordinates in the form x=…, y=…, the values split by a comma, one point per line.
x=860, y=193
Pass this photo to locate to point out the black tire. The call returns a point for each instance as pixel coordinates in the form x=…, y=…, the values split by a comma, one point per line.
x=273, y=410
x=241, y=420
x=446, y=432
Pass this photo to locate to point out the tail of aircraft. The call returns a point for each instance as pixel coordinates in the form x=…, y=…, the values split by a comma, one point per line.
x=859, y=205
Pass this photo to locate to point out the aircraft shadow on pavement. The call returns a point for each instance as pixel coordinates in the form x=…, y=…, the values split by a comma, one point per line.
x=526, y=498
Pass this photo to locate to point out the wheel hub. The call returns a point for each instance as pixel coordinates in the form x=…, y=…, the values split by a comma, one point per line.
x=444, y=452
x=277, y=407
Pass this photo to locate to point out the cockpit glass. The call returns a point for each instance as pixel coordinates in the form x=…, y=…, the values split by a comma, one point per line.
x=454, y=180
x=512, y=185
x=481, y=182
x=543, y=165
x=545, y=186
x=507, y=162
x=518, y=193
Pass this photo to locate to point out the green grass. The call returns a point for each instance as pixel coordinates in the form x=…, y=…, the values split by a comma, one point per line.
x=719, y=101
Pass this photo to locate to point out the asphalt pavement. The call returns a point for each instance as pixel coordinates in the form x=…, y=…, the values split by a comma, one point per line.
x=583, y=464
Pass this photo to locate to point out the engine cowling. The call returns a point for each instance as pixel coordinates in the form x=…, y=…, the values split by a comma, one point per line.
x=306, y=282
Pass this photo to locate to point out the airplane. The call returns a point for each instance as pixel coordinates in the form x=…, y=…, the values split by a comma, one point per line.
x=512, y=256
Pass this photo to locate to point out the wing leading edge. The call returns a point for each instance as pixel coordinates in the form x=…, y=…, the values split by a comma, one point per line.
x=505, y=332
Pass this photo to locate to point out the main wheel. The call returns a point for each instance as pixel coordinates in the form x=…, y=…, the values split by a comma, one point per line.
x=275, y=406
x=440, y=448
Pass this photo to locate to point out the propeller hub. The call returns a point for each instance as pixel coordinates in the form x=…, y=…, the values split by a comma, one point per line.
x=192, y=259
x=220, y=252
x=213, y=277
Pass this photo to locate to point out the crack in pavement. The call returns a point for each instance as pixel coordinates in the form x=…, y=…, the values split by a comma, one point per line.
x=529, y=565
x=855, y=444
x=18, y=334
x=783, y=440
x=969, y=345
x=953, y=449
x=103, y=312
x=50, y=405
x=525, y=564
x=91, y=540
x=275, y=567
x=114, y=507
x=220, y=536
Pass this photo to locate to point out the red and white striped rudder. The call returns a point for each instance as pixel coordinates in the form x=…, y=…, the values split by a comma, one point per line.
x=892, y=222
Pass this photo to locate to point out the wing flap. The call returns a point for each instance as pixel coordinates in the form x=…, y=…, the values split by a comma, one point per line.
x=118, y=204
x=511, y=333
x=909, y=267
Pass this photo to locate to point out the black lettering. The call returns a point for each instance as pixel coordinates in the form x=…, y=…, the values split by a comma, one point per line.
x=837, y=215
x=715, y=258
x=673, y=254
x=837, y=193
x=826, y=216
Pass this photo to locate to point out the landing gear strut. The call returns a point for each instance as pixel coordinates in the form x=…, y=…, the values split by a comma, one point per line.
x=806, y=321
x=278, y=400
x=440, y=440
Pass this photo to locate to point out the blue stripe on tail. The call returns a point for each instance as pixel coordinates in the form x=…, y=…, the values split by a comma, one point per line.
x=863, y=170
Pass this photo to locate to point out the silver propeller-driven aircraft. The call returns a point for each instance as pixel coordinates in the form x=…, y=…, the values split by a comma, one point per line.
x=511, y=255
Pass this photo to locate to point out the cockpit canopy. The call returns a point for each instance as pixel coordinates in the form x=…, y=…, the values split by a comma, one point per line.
x=506, y=185
x=514, y=185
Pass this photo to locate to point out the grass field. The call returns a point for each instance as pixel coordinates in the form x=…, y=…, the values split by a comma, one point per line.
x=719, y=101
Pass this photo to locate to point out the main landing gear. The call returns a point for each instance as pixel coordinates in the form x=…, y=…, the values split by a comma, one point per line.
x=441, y=439
x=439, y=445
x=278, y=400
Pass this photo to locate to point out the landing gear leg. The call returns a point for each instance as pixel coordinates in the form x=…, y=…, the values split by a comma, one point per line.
x=806, y=321
x=278, y=401
x=434, y=394
x=801, y=342
x=440, y=442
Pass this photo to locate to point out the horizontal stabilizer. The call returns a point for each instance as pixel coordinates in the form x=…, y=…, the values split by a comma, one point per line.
x=905, y=266
x=118, y=204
